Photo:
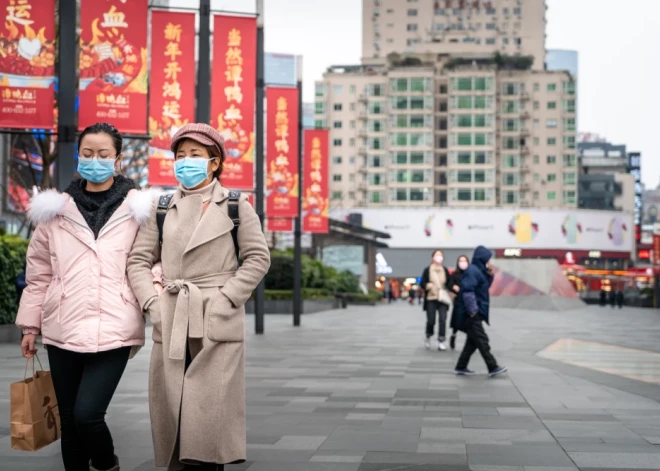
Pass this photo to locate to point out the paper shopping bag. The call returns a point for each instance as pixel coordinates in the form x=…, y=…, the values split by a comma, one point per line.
x=35, y=418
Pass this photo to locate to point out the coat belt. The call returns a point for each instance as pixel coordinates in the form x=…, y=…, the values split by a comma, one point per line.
x=189, y=309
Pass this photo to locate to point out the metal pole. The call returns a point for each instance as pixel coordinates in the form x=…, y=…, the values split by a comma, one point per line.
x=260, y=294
x=297, y=231
x=204, y=63
x=67, y=82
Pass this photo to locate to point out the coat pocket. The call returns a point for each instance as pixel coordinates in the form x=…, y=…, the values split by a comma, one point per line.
x=52, y=300
x=226, y=323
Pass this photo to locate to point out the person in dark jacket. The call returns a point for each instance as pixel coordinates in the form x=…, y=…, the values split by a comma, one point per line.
x=473, y=310
x=436, y=283
x=620, y=299
x=612, y=298
x=461, y=266
x=21, y=284
x=603, y=298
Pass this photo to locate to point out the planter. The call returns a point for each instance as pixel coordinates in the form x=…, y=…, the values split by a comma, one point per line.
x=9, y=333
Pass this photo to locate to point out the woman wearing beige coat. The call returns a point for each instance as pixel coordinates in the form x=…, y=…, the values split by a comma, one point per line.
x=196, y=378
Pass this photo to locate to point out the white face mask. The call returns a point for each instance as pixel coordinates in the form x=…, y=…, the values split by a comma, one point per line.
x=463, y=265
x=438, y=259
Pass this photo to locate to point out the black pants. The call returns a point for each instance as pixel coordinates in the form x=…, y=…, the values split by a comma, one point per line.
x=441, y=308
x=84, y=385
x=477, y=339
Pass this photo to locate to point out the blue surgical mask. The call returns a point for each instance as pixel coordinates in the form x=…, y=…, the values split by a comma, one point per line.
x=96, y=170
x=191, y=171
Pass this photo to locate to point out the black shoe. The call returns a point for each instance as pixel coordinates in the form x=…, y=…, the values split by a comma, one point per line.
x=452, y=342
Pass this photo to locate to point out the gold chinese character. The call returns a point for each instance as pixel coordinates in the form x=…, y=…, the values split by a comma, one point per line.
x=234, y=38
x=315, y=176
x=173, y=32
x=19, y=12
x=172, y=70
x=282, y=146
x=6, y=93
x=132, y=58
x=233, y=114
x=171, y=109
x=172, y=89
x=16, y=94
x=234, y=73
x=316, y=143
x=234, y=93
x=281, y=104
x=234, y=56
x=172, y=50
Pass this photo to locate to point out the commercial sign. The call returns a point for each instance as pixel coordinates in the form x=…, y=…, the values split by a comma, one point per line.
x=656, y=246
x=27, y=63
x=315, y=181
x=499, y=228
x=172, y=93
x=280, y=69
x=282, y=152
x=113, y=64
x=635, y=169
x=279, y=224
x=233, y=79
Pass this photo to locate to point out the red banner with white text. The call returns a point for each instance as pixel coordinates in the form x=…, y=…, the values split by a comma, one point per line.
x=279, y=225
x=315, y=189
x=172, y=91
x=282, y=152
x=233, y=85
x=113, y=64
x=27, y=64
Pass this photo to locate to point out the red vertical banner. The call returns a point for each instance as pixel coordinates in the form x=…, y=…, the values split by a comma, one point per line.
x=113, y=64
x=233, y=84
x=282, y=152
x=279, y=225
x=172, y=96
x=315, y=190
x=27, y=64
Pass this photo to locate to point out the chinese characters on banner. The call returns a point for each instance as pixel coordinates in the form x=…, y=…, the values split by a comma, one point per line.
x=315, y=190
x=233, y=80
x=113, y=64
x=172, y=97
x=27, y=63
x=279, y=225
x=656, y=247
x=282, y=152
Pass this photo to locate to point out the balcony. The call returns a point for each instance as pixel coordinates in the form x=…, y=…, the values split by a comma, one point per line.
x=362, y=150
x=362, y=115
x=524, y=150
x=524, y=115
x=525, y=186
x=362, y=186
x=362, y=133
x=526, y=168
x=363, y=98
x=524, y=96
x=525, y=132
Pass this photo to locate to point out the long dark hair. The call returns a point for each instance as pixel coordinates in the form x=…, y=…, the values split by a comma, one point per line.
x=103, y=128
x=458, y=268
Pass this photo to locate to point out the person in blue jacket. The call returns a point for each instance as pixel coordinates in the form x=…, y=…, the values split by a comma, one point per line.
x=473, y=306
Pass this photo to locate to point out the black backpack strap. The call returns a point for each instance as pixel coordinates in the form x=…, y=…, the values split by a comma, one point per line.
x=161, y=212
x=232, y=211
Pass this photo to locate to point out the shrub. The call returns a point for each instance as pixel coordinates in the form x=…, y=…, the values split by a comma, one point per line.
x=12, y=262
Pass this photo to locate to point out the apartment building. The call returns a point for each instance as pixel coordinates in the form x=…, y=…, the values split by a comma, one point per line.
x=465, y=27
x=452, y=124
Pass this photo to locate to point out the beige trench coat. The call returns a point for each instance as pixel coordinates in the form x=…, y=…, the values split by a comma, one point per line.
x=203, y=304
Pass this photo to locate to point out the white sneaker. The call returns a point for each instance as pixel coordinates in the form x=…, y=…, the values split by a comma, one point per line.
x=427, y=343
x=442, y=347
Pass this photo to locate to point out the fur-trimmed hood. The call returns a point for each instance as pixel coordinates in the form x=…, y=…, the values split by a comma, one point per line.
x=47, y=205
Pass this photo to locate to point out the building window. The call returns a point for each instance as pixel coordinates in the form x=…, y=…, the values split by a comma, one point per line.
x=336, y=125
x=352, y=89
x=412, y=27
x=338, y=89
x=552, y=87
x=464, y=195
x=569, y=88
x=480, y=158
x=351, y=142
x=569, y=106
x=511, y=143
x=319, y=107
x=320, y=89
x=517, y=11
x=552, y=105
x=490, y=41
x=351, y=177
x=505, y=41
x=336, y=142
x=336, y=160
x=464, y=139
x=552, y=177
x=510, y=161
x=569, y=142
x=551, y=195
x=551, y=159
x=552, y=141
x=319, y=123
x=570, y=160
x=464, y=158
x=352, y=107
x=537, y=160
x=537, y=87
x=536, y=105
x=351, y=160
x=336, y=177
x=412, y=12
x=569, y=197
x=351, y=124
x=337, y=107
x=336, y=195
x=537, y=178
x=491, y=26
x=551, y=123
x=479, y=194
x=569, y=178
x=537, y=141
x=376, y=197
x=569, y=124
x=536, y=196
x=464, y=176
x=510, y=197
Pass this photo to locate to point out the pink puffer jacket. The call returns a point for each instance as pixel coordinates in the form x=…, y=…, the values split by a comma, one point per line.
x=77, y=292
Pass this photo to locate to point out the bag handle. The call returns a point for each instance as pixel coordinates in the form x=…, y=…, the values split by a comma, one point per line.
x=34, y=374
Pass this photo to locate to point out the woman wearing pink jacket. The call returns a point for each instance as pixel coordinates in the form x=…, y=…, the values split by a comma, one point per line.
x=78, y=297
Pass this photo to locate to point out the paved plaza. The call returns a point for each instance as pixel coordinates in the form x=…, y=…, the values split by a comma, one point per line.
x=354, y=390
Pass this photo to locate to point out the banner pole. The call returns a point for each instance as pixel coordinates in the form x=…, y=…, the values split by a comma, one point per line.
x=297, y=231
x=203, y=114
x=67, y=83
x=260, y=293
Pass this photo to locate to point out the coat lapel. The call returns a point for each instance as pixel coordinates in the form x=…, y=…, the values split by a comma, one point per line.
x=213, y=224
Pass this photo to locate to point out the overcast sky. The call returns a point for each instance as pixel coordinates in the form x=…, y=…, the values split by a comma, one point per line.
x=618, y=42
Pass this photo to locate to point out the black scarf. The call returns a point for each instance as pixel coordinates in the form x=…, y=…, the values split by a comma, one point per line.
x=97, y=213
